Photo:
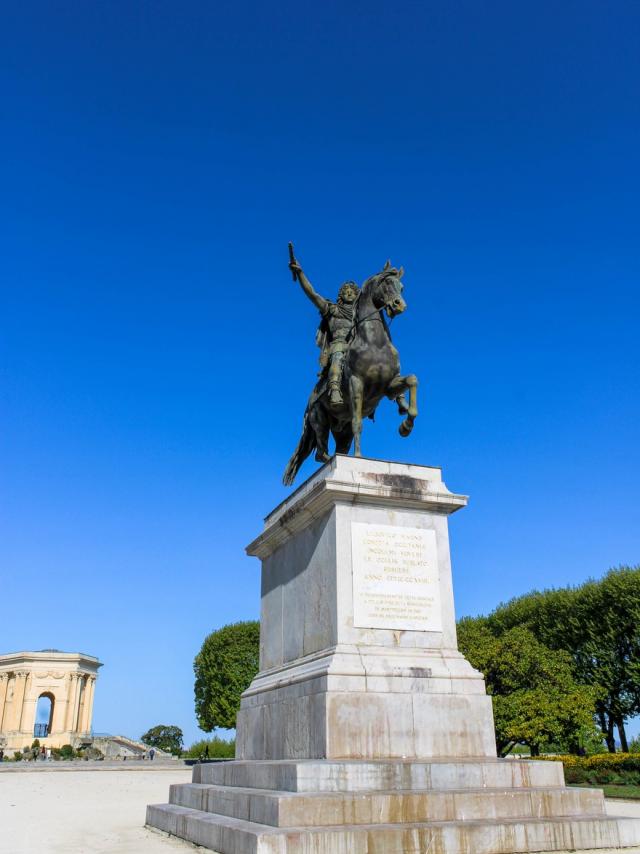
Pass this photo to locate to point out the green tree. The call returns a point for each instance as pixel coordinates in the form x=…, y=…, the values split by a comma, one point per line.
x=598, y=623
x=165, y=737
x=536, y=699
x=224, y=668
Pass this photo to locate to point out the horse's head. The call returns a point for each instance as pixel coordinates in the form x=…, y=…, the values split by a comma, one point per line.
x=385, y=290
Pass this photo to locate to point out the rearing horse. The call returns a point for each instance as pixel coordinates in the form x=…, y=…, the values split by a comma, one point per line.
x=371, y=372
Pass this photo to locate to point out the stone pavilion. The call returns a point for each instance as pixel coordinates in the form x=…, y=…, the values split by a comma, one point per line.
x=59, y=685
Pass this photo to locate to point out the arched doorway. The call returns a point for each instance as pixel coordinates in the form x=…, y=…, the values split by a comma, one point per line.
x=44, y=715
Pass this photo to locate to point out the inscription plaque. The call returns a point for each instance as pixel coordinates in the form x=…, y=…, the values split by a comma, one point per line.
x=396, y=583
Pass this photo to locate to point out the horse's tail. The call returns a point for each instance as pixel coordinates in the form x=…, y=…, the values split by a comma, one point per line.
x=306, y=444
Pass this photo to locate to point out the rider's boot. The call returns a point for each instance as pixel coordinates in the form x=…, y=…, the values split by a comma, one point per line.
x=335, y=375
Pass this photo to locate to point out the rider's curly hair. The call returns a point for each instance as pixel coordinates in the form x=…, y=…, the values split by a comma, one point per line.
x=346, y=285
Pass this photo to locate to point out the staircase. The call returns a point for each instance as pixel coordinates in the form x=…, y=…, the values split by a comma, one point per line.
x=119, y=745
x=390, y=807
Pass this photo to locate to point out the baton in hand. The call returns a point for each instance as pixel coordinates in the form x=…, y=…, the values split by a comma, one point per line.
x=292, y=260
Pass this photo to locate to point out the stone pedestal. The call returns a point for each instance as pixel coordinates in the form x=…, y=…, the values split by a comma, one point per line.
x=358, y=654
x=365, y=729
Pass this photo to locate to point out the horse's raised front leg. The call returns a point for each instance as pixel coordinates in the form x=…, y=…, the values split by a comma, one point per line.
x=395, y=391
x=357, y=394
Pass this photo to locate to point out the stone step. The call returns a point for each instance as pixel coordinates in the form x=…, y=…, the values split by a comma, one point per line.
x=327, y=775
x=305, y=809
x=226, y=835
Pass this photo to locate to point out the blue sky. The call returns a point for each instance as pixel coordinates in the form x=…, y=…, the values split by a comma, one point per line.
x=155, y=158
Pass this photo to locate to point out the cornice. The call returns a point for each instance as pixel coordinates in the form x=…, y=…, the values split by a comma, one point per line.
x=43, y=659
x=349, y=480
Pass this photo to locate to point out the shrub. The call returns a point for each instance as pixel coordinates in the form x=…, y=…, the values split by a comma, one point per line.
x=17, y=756
x=601, y=769
x=218, y=748
x=90, y=753
x=67, y=752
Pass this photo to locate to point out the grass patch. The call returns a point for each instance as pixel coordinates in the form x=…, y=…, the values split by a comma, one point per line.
x=629, y=793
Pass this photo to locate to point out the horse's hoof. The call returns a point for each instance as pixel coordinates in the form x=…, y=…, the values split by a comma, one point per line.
x=405, y=429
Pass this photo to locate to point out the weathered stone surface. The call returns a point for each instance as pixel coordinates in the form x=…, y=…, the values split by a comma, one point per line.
x=353, y=776
x=228, y=835
x=287, y=809
x=328, y=688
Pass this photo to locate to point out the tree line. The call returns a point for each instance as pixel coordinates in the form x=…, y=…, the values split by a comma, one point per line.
x=562, y=665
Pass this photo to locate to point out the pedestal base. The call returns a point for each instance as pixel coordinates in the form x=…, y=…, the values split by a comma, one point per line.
x=367, y=703
x=387, y=807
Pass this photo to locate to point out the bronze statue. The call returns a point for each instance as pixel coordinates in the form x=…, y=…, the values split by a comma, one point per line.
x=360, y=365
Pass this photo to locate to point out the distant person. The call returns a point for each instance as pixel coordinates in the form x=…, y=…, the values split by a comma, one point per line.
x=206, y=751
x=152, y=753
x=1, y=755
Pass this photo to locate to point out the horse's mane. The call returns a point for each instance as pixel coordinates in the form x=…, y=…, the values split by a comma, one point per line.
x=366, y=288
x=373, y=280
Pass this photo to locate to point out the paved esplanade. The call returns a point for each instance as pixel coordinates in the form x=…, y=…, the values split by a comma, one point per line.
x=366, y=731
x=70, y=810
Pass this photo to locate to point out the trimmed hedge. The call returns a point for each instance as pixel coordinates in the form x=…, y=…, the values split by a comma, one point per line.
x=602, y=769
x=219, y=748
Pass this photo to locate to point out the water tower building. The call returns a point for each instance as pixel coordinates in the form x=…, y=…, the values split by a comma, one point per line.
x=46, y=695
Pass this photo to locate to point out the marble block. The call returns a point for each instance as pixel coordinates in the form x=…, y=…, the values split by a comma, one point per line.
x=358, y=653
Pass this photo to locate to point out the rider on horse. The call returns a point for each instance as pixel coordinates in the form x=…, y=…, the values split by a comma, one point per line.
x=335, y=328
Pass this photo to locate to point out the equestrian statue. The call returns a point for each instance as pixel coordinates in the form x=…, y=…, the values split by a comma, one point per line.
x=359, y=365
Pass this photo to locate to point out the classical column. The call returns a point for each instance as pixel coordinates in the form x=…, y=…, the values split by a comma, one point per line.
x=82, y=701
x=18, y=697
x=88, y=703
x=73, y=720
x=70, y=694
x=83, y=707
x=4, y=684
x=59, y=716
x=29, y=704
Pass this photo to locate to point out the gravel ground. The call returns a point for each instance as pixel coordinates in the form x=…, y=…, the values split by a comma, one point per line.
x=81, y=812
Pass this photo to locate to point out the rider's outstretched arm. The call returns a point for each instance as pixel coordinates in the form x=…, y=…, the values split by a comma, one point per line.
x=320, y=302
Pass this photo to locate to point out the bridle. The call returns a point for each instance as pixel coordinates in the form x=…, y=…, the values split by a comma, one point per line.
x=376, y=314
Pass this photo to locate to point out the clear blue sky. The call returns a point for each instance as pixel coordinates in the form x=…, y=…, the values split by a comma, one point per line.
x=155, y=158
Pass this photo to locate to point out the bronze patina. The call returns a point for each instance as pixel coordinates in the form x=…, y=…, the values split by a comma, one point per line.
x=359, y=365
